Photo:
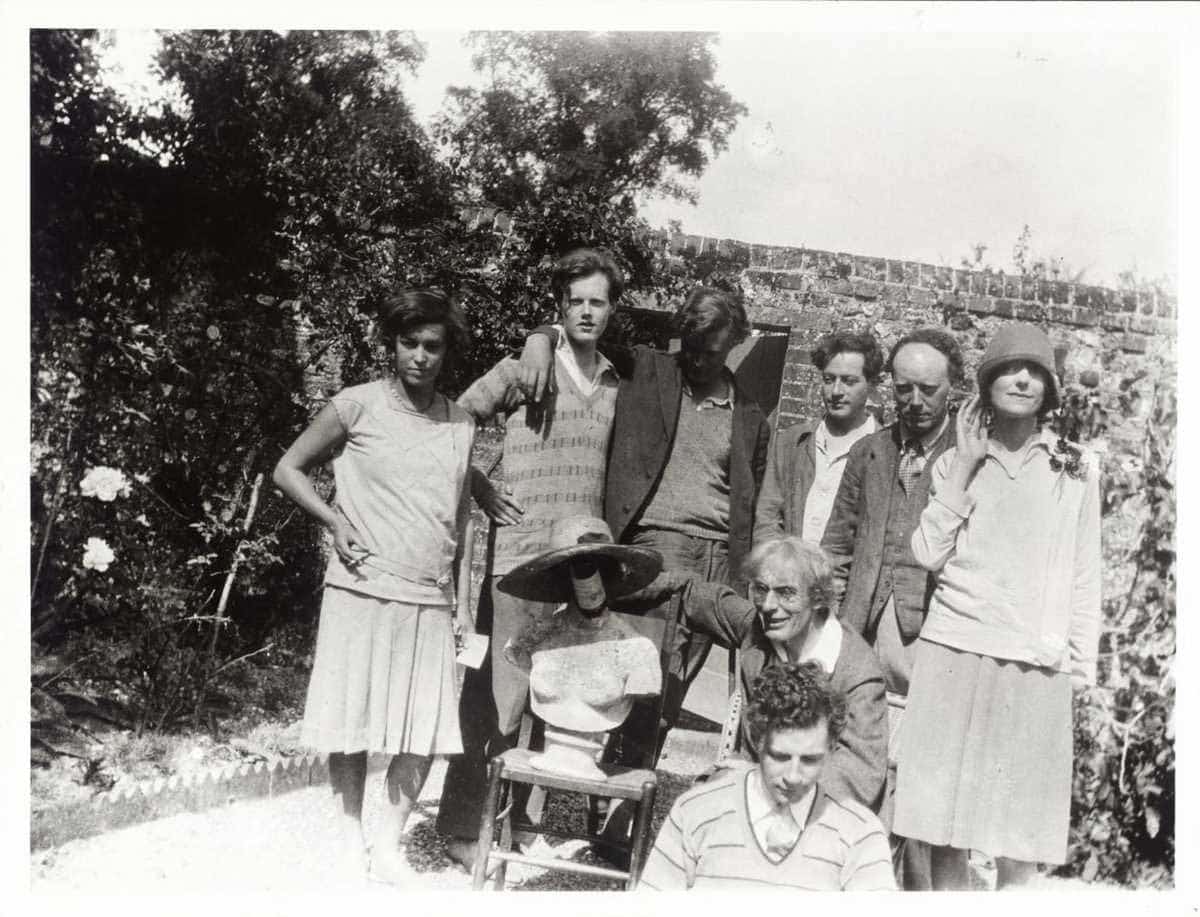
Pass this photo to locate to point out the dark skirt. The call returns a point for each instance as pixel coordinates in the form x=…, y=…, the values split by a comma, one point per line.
x=984, y=756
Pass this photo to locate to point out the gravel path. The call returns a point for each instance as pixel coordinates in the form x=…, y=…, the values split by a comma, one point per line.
x=286, y=845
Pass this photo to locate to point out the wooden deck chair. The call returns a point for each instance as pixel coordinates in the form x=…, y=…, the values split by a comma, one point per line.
x=639, y=785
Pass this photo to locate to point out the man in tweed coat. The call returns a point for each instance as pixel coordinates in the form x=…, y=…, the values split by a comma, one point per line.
x=884, y=591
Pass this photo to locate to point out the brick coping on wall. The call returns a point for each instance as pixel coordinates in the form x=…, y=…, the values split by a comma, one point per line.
x=955, y=289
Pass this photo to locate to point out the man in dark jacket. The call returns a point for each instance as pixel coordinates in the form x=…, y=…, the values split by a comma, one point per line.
x=884, y=591
x=685, y=465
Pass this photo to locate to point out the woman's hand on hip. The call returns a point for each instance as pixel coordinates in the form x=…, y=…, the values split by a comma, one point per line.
x=349, y=544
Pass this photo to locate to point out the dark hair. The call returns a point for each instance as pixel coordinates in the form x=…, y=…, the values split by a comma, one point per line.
x=850, y=342
x=706, y=310
x=583, y=262
x=793, y=696
x=809, y=561
x=942, y=341
x=406, y=309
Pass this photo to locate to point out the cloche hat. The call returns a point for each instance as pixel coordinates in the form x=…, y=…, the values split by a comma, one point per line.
x=543, y=579
x=1020, y=341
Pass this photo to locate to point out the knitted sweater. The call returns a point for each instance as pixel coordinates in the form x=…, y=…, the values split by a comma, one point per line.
x=554, y=456
x=693, y=494
x=707, y=842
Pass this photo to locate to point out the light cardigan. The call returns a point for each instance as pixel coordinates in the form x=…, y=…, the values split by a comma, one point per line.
x=1018, y=560
x=706, y=842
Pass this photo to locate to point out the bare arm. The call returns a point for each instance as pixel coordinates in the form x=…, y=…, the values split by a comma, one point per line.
x=496, y=502
x=315, y=446
x=464, y=619
x=498, y=390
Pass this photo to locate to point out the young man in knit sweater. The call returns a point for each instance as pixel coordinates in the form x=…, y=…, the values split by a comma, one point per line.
x=554, y=464
x=688, y=454
x=772, y=823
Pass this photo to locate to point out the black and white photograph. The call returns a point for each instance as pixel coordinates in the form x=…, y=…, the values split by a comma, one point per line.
x=726, y=447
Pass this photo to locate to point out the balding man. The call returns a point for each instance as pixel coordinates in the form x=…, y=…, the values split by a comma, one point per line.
x=884, y=488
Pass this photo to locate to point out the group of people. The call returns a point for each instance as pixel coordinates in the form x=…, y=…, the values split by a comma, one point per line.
x=911, y=605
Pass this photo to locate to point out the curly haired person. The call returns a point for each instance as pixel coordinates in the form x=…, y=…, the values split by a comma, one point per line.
x=771, y=823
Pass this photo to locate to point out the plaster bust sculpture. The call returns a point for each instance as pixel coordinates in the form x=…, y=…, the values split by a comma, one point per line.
x=586, y=666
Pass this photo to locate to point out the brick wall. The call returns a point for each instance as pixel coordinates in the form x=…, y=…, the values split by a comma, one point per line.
x=1115, y=333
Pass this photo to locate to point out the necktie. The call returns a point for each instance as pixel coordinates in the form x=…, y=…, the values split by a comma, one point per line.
x=912, y=460
x=782, y=833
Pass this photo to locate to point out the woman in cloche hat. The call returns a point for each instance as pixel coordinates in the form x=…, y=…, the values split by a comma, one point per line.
x=1012, y=530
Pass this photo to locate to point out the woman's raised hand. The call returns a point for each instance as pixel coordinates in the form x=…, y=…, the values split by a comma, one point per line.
x=971, y=435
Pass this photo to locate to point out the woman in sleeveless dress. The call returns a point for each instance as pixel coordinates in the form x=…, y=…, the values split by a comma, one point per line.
x=383, y=672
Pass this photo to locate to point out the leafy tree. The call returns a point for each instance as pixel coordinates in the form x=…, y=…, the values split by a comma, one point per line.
x=1123, y=799
x=201, y=277
x=191, y=273
x=570, y=130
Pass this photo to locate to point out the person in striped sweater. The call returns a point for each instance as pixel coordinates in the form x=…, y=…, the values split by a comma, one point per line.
x=771, y=823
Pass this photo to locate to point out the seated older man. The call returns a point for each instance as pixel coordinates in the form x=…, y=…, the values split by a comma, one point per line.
x=788, y=619
x=774, y=823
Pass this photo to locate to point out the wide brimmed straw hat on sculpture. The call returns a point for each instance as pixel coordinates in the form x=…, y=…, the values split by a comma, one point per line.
x=623, y=568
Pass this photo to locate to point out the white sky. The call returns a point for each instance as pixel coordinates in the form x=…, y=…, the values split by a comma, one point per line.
x=916, y=146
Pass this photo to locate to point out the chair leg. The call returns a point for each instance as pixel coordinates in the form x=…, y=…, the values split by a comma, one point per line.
x=509, y=796
x=487, y=824
x=641, y=833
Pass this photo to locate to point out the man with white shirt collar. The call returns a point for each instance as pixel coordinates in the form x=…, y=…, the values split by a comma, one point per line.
x=806, y=461
x=884, y=593
x=788, y=619
x=774, y=822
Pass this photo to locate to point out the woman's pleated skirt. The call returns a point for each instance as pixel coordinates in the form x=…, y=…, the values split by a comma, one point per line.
x=984, y=756
x=382, y=678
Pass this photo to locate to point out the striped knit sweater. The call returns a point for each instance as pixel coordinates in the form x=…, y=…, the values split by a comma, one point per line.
x=707, y=842
x=554, y=465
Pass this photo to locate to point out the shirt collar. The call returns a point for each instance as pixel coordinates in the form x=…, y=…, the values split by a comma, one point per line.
x=1045, y=441
x=563, y=351
x=759, y=804
x=712, y=401
x=822, y=644
x=928, y=440
x=822, y=437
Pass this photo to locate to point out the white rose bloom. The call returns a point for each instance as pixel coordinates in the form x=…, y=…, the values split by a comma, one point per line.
x=97, y=555
x=104, y=483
